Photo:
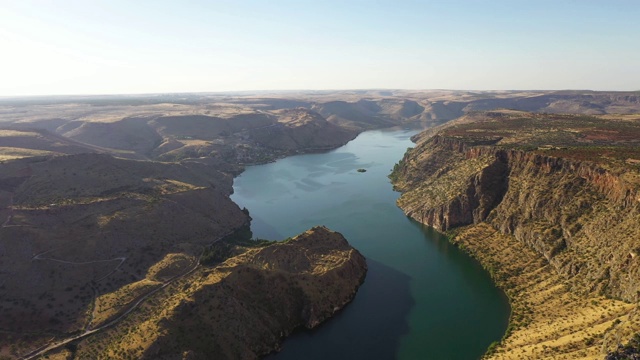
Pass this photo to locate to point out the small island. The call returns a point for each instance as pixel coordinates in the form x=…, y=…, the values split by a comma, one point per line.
x=362, y=170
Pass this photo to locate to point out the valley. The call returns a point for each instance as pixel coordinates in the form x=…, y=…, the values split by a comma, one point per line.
x=107, y=204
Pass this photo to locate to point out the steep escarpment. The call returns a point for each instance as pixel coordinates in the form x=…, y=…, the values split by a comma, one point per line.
x=85, y=239
x=538, y=179
x=243, y=307
x=461, y=193
x=560, y=207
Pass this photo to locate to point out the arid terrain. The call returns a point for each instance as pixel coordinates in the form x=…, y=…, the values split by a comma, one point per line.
x=109, y=204
x=549, y=204
x=241, y=307
x=245, y=129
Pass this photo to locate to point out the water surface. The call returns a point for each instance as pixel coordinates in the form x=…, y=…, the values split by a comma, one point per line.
x=422, y=298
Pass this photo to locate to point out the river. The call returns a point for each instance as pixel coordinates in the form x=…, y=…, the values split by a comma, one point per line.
x=422, y=298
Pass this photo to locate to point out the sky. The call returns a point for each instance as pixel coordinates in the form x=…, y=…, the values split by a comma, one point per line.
x=61, y=47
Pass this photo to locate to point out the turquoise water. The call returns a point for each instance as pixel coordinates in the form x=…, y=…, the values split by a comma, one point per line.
x=422, y=298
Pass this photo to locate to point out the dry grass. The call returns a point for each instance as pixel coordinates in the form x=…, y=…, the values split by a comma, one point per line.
x=85, y=226
x=548, y=321
x=576, y=237
x=171, y=266
x=11, y=153
x=241, y=307
x=109, y=305
x=12, y=133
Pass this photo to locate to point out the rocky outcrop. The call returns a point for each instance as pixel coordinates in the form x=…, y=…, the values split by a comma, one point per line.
x=557, y=206
x=581, y=217
x=245, y=306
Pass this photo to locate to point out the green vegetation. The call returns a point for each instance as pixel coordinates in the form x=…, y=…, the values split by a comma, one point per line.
x=492, y=348
x=395, y=172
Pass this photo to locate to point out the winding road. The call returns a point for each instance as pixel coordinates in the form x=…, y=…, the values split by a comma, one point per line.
x=88, y=332
x=46, y=348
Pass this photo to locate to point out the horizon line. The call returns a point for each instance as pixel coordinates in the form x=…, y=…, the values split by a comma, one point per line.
x=281, y=91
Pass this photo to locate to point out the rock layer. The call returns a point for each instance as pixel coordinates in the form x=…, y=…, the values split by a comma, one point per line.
x=580, y=217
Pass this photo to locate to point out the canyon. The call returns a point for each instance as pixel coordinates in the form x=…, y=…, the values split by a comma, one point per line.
x=549, y=205
x=108, y=203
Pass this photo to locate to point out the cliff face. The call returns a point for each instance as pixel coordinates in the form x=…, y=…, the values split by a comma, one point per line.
x=581, y=217
x=563, y=209
x=242, y=308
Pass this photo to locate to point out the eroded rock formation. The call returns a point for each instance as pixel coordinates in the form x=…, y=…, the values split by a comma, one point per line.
x=582, y=217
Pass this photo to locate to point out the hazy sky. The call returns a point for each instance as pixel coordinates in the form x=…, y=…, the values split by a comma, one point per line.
x=117, y=46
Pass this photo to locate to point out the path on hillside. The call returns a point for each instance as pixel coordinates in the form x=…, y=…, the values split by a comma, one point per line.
x=49, y=347
x=46, y=348
x=121, y=259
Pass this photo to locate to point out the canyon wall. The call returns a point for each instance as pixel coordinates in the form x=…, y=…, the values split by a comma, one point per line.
x=580, y=216
x=560, y=234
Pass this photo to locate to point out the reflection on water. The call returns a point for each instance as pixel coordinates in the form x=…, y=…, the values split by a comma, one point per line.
x=422, y=298
x=385, y=319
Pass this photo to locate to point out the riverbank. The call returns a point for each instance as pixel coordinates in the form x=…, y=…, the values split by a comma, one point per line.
x=552, y=217
x=423, y=298
x=241, y=308
x=547, y=319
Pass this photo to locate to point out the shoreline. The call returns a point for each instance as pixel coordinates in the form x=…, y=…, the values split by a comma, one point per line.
x=557, y=231
x=499, y=295
x=546, y=319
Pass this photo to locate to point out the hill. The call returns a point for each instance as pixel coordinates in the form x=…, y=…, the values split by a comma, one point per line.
x=81, y=235
x=243, y=307
x=93, y=244
x=251, y=129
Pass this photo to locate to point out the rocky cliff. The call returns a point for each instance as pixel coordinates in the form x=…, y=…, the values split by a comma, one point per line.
x=572, y=201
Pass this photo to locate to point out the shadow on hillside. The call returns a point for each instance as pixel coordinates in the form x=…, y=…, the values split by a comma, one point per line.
x=368, y=328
